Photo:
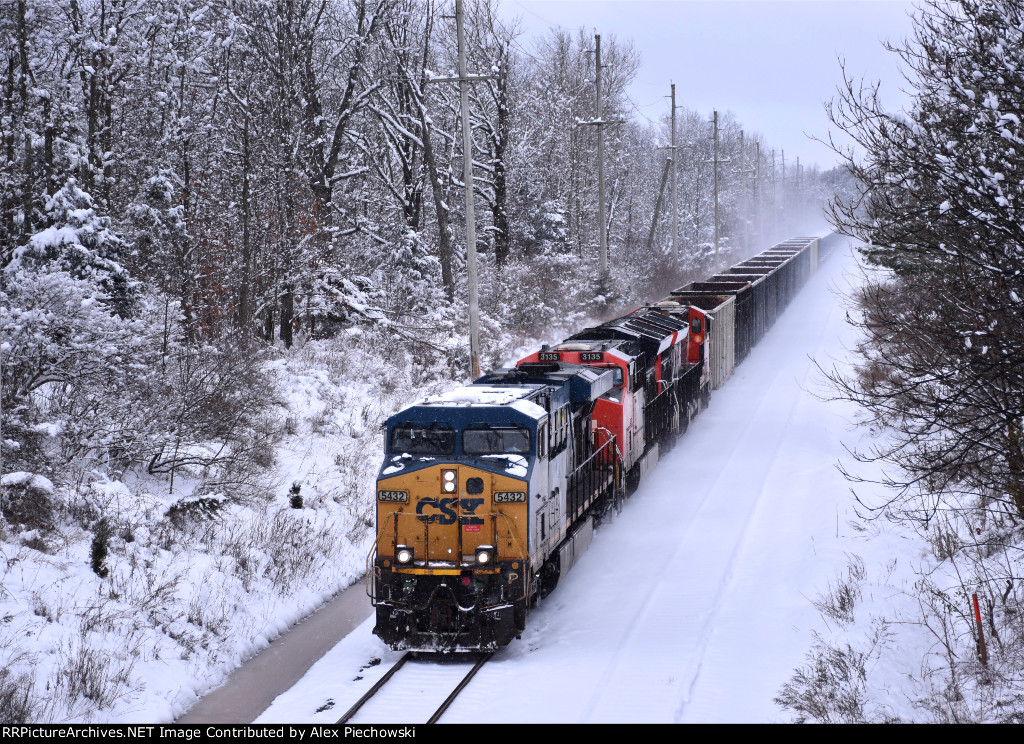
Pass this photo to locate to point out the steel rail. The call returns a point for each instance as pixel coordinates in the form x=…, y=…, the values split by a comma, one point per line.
x=391, y=672
x=373, y=690
x=455, y=693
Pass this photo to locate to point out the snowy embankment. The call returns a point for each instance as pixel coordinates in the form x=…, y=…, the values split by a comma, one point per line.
x=195, y=583
x=697, y=602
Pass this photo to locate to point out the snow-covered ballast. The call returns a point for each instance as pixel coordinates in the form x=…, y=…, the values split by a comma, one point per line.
x=485, y=497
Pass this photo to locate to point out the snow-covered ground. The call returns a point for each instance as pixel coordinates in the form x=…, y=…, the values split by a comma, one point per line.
x=184, y=604
x=696, y=602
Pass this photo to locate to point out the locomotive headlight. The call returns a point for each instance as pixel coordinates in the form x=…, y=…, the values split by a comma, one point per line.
x=449, y=484
x=404, y=554
x=484, y=555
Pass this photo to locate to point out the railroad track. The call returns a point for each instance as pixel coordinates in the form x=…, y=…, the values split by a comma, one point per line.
x=481, y=659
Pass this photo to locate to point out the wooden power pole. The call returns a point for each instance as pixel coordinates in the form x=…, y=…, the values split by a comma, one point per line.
x=464, y=80
x=675, y=200
x=716, y=186
x=782, y=188
x=602, y=227
x=600, y=123
x=758, y=208
x=467, y=155
x=745, y=206
x=670, y=163
x=657, y=203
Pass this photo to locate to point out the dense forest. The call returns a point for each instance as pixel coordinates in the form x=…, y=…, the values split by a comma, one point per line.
x=212, y=178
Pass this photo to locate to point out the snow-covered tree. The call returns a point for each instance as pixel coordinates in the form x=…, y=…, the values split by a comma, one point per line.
x=941, y=187
x=940, y=381
x=81, y=243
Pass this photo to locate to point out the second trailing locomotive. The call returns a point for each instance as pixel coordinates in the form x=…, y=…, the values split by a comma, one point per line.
x=489, y=493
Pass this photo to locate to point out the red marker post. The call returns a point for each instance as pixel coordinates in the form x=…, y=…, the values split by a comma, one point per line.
x=981, y=633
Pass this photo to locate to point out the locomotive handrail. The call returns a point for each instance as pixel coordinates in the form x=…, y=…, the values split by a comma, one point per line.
x=590, y=476
x=370, y=559
x=595, y=453
x=669, y=384
x=658, y=412
x=611, y=438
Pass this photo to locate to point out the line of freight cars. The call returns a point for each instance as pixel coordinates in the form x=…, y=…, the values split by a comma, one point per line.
x=488, y=494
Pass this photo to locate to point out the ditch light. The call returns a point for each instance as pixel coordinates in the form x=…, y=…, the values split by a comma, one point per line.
x=404, y=555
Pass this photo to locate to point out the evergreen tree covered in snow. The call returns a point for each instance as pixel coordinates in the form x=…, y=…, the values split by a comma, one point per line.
x=156, y=225
x=412, y=273
x=80, y=242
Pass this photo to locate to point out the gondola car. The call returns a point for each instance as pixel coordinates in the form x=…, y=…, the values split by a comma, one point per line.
x=488, y=494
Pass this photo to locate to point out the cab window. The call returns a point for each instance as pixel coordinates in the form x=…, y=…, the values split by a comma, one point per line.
x=511, y=440
x=559, y=430
x=423, y=440
x=695, y=326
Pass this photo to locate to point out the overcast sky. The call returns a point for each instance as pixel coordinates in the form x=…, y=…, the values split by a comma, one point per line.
x=773, y=64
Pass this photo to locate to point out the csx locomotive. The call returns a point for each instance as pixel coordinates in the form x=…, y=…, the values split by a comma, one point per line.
x=488, y=494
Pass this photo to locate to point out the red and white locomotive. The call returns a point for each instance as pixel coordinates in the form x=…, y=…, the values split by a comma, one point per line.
x=656, y=356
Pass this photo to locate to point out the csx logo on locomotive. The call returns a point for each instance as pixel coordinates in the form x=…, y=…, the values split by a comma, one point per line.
x=446, y=507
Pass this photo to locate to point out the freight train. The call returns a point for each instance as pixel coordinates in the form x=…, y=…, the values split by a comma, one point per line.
x=489, y=494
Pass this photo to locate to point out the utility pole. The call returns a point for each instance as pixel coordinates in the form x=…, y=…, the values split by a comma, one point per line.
x=747, y=207
x=744, y=169
x=602, y=227
x=467, y=155
x=783, y=210
x=798, y=183
x=675, y=199
x=715, y=160
x=758, y=211
x=600, y=123
x=669, y=163
x=464, y=80
x=748, y=202
x=716, y=186
x=775, y=201
x=657, y=204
